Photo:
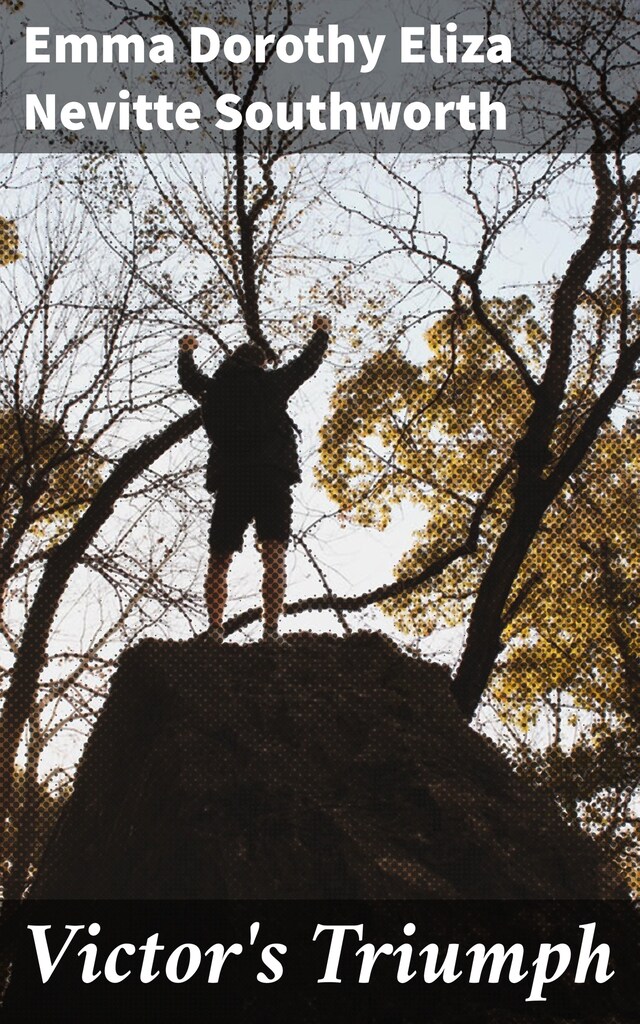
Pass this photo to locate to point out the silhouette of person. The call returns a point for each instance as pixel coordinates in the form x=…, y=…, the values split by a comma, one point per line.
x=253, y=462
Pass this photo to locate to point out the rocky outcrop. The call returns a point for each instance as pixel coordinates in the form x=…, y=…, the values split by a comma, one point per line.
x=325, y=768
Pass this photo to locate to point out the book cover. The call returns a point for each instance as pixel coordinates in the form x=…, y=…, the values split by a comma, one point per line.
x=318, y=483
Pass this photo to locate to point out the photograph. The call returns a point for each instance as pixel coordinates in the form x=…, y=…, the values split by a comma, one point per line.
x=319, y=511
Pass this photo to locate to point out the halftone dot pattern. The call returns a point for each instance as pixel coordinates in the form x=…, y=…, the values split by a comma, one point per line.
x=9, y=245
x=321, y=766
x=308, y=766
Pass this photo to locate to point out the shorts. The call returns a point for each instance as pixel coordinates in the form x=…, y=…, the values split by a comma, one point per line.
x=262, y=497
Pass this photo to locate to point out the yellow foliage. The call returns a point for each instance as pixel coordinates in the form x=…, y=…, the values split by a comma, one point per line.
x=436, y=435
x=9, y=252
x=40, y=470
x=398, y=431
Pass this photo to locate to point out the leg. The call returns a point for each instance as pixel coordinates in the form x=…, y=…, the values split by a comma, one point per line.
x=231, y=516
x=273, y=528
x=274, y=581
x=215, y=590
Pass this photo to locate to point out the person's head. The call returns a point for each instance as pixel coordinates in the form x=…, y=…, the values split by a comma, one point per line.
x=248, y=354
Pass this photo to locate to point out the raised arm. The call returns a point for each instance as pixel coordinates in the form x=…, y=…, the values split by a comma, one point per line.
x=295, y=373
x=192, y=379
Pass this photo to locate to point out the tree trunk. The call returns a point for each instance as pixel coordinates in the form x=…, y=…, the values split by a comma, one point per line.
x=60, y=566
x=486, y=624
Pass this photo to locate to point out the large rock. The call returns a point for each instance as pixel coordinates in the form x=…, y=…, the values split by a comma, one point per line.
x=325, y=768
